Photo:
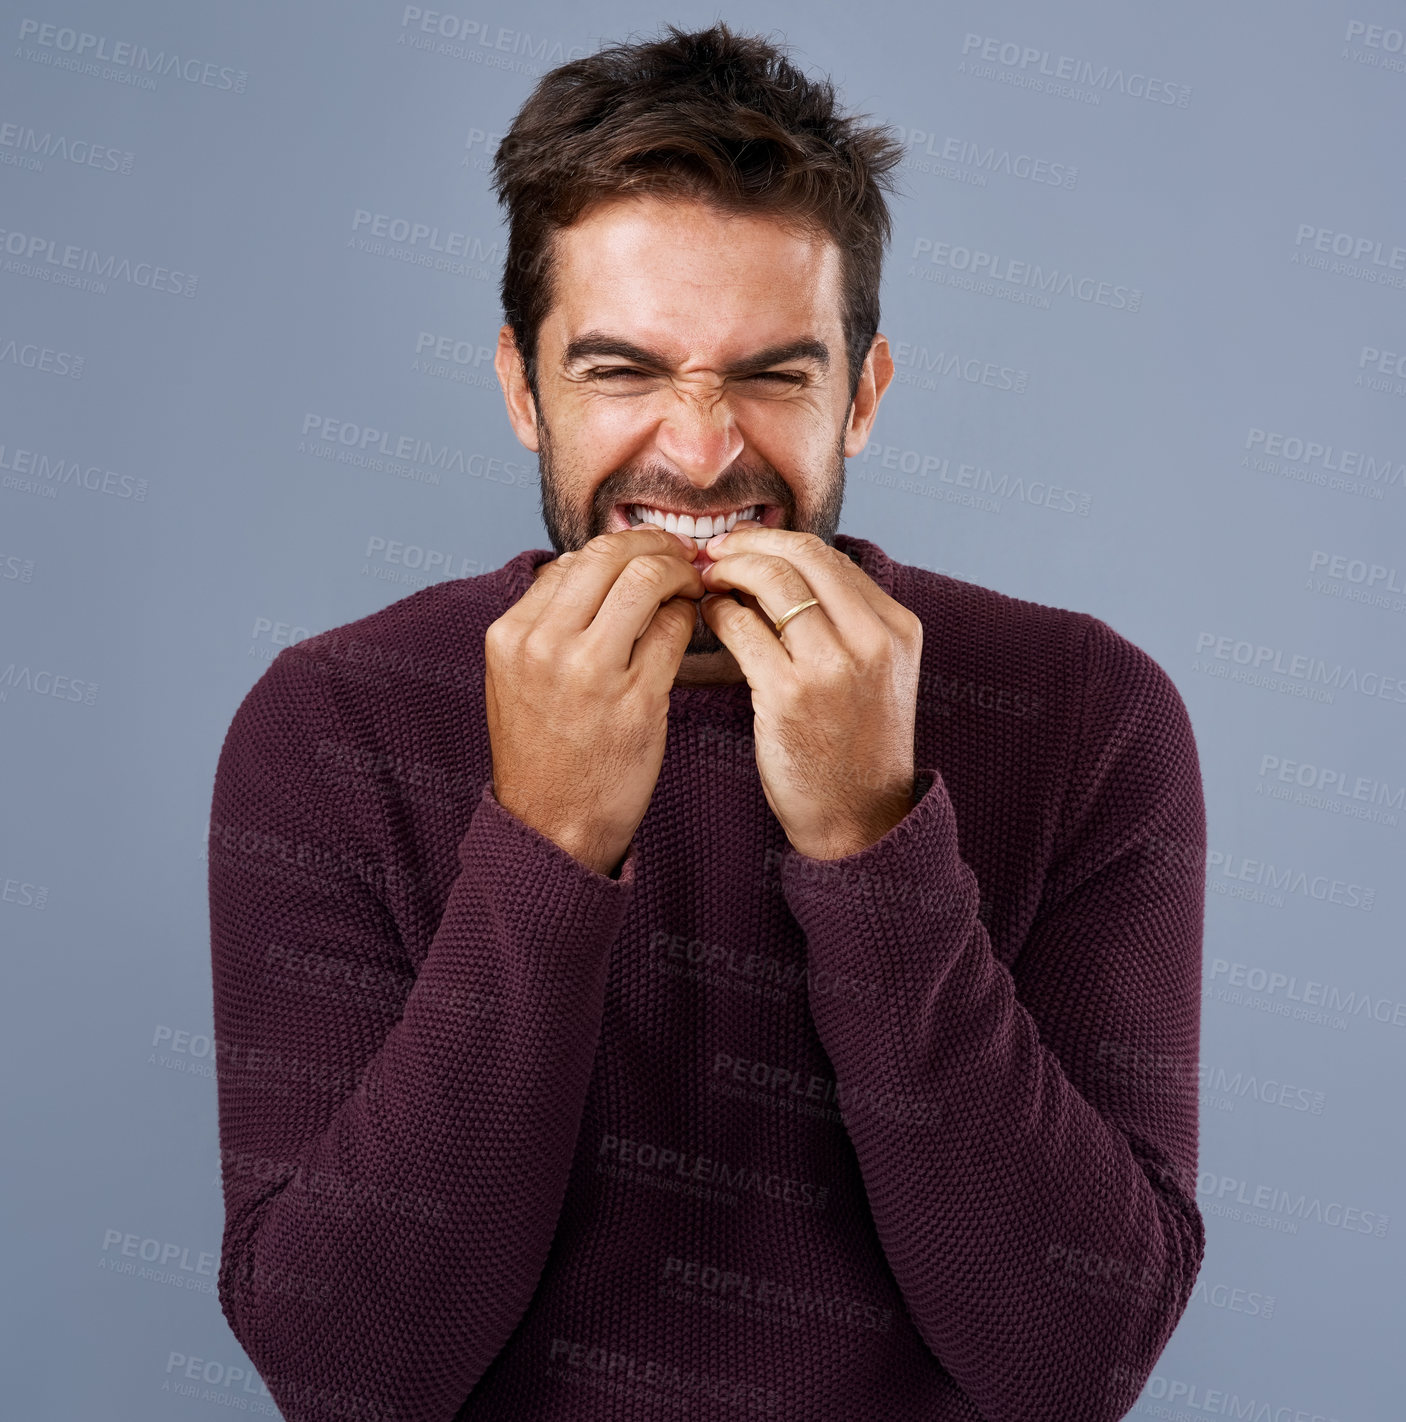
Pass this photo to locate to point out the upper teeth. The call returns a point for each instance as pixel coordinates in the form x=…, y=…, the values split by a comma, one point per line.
x=698, y=527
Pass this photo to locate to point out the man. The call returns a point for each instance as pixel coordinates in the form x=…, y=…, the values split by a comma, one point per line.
x=705, y=972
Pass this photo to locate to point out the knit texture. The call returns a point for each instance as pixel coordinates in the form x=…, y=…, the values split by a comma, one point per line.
x=905, y=1135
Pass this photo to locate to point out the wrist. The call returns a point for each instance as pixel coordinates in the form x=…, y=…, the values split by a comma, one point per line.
x=598, y=852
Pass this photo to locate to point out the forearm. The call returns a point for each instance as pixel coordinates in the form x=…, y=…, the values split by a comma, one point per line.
x=1041, y=1245
x=422, y=1207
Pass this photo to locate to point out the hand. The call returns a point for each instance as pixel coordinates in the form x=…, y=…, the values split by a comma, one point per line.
x=576, y=686
x=835, y=698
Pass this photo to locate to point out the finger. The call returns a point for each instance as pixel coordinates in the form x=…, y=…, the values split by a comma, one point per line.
x=570, y=589
x=644, y=585
x=659, y=651
x=748, y=637
x=848, y=594
x=778, y=587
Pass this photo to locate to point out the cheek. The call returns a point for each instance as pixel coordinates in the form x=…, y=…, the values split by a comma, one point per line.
x=607, y=432
x=797, y=443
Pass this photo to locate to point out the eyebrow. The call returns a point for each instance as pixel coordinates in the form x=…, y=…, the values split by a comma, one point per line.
x=600, y=343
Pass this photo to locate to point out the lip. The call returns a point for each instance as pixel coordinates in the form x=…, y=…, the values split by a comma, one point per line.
x=619, y=519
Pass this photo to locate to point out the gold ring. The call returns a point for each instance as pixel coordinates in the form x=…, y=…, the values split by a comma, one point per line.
x=799, y=607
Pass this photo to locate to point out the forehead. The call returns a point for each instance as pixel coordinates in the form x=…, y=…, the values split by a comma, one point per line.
x=681, y=277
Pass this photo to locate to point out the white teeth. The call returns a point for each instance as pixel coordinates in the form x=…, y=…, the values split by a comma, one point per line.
x=700, y=528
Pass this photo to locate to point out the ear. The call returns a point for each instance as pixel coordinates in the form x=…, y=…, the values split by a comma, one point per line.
x=874, y=377
x=517, y=394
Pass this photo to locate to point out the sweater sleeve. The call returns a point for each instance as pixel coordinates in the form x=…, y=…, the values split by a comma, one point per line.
x=395, y=1145
x=1028, y=1137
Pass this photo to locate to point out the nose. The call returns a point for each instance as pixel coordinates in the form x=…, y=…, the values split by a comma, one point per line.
x=698, y=435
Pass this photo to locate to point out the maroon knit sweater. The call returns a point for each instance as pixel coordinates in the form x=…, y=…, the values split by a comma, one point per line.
x=905, y=1135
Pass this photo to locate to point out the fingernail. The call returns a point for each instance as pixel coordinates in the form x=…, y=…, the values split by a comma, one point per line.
x=715, y=541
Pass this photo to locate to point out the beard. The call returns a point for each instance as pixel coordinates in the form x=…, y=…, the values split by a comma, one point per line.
x=570, y=525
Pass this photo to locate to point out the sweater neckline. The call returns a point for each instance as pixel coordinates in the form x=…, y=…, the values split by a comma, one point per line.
x=730, y=698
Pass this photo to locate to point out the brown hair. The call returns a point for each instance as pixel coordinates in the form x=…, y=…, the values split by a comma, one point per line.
x=710, y=115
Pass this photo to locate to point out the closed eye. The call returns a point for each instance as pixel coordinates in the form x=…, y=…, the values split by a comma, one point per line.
x=612, y=372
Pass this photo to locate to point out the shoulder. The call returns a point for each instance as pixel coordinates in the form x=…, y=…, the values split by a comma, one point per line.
x=1112, y=728
x=417, y=650
x=410, y=663
x=1060, y=652
x=994, y=652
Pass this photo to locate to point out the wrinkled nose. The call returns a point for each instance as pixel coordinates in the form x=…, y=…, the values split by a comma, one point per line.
x=698, y=436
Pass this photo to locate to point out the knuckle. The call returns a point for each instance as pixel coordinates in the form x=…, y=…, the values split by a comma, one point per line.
x=535, y=647
x=650, y=571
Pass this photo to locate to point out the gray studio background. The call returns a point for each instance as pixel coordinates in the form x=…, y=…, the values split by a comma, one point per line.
x=247, y=299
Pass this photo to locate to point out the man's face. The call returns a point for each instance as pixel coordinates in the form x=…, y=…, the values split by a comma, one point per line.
x=693, y=363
